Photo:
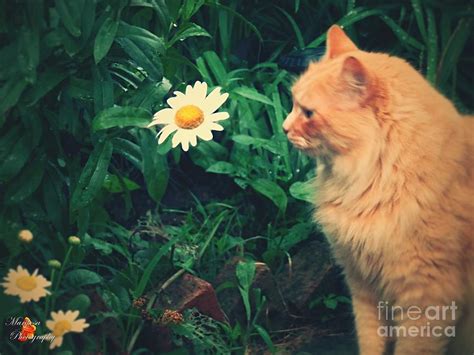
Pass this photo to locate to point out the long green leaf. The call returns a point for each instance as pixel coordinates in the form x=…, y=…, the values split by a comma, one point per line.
x=70, y=11
x=187, y=31
x=151, y=64
x=432, y=44
x=120, y=117
x=252, y=94
x=453, y=50
x=92, y=177
x=420, y=20
x=155, y=166
x=27, y=182
x=145, y=279
x=105, y=37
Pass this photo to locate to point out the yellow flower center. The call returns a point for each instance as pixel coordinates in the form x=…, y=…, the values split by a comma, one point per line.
x=61, y=327
x=189, y=117
x=26, y=283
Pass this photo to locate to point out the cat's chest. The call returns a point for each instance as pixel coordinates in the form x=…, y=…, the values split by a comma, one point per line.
x=359, y=238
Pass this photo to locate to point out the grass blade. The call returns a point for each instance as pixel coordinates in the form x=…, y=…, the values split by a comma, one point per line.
x=432, y=44
x=296, y=29
x=420, y=20
x=453, y=50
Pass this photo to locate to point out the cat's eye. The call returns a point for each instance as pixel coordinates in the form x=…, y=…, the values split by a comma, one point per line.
x=307, y=113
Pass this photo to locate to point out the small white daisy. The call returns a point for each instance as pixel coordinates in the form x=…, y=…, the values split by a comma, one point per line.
x=63, y=323
x=191, y=115
x=28, y=287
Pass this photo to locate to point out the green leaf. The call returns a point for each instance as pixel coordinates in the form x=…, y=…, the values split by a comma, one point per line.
x=216, y=66
x=103, y=88
x=402, y=35
x=79, y=303
x=129, y=150
x=252, y=94
x=245, y=272
x=105, y=37
x=10, y=93
x=82, y=277
x=296, y=29
x=330, y=303
x=303, y=191
x=221, y=167
x=189, y=8
x=27, y=182
x=141, y=36
x=150, y=63
x=121, y=117
x=208, y=153
x=46, y=82
x=16, y=158
x=186, y=31
x=454, y=47
x=266, y=338
x=420, y=20
x=155, y=166
x=70, y=13
x=112, y=184
x=92, y=177
x=270, y=145
x=151, y=266
x=271, y=190
x=54, y=198
x=432, y=45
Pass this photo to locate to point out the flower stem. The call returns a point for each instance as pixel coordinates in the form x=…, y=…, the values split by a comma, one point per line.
x=61, y=272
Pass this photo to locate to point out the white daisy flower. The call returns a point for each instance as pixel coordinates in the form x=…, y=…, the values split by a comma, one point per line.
x=63, y=323
x=191, y=115
x=28, y=287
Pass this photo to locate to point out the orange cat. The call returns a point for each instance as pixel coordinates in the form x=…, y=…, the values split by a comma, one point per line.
x=394, y=194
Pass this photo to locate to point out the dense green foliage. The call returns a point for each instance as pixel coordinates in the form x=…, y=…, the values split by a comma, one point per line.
x=81, y=79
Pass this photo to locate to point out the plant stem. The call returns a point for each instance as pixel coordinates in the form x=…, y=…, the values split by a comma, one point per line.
x=60, y=276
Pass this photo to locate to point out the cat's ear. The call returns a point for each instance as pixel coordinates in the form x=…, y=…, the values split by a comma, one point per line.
x=338, y=43
x=354, y=76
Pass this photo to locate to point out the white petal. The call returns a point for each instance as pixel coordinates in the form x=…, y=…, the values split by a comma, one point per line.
x=214, y=101
x=162, y=117
x=215, y=126
x=204, y=133
x=185, y=143
x=199, y=94
x=193, y=139
x=218, y=116
x=177, y=138
x=73, y=315
x=189, y=90
x=177, y=101
x=165, y=132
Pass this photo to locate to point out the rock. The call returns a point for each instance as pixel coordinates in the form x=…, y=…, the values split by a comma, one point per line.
x=191, y=292
x=186, y=292
x=230, y=298
x=311, y=270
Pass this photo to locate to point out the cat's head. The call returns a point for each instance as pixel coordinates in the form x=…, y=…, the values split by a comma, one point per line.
x=334, y=101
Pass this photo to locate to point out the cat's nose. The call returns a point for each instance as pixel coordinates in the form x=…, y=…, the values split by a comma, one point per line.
x=286, y=125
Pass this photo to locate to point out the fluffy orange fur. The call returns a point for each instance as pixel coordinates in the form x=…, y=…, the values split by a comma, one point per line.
x=395, y=191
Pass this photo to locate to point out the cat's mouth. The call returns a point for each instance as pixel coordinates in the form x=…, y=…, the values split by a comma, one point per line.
x=303, y=144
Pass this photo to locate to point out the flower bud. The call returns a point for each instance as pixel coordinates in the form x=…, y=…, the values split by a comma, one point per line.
x=73, y=240
x=25, y=236
x=55, y=264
